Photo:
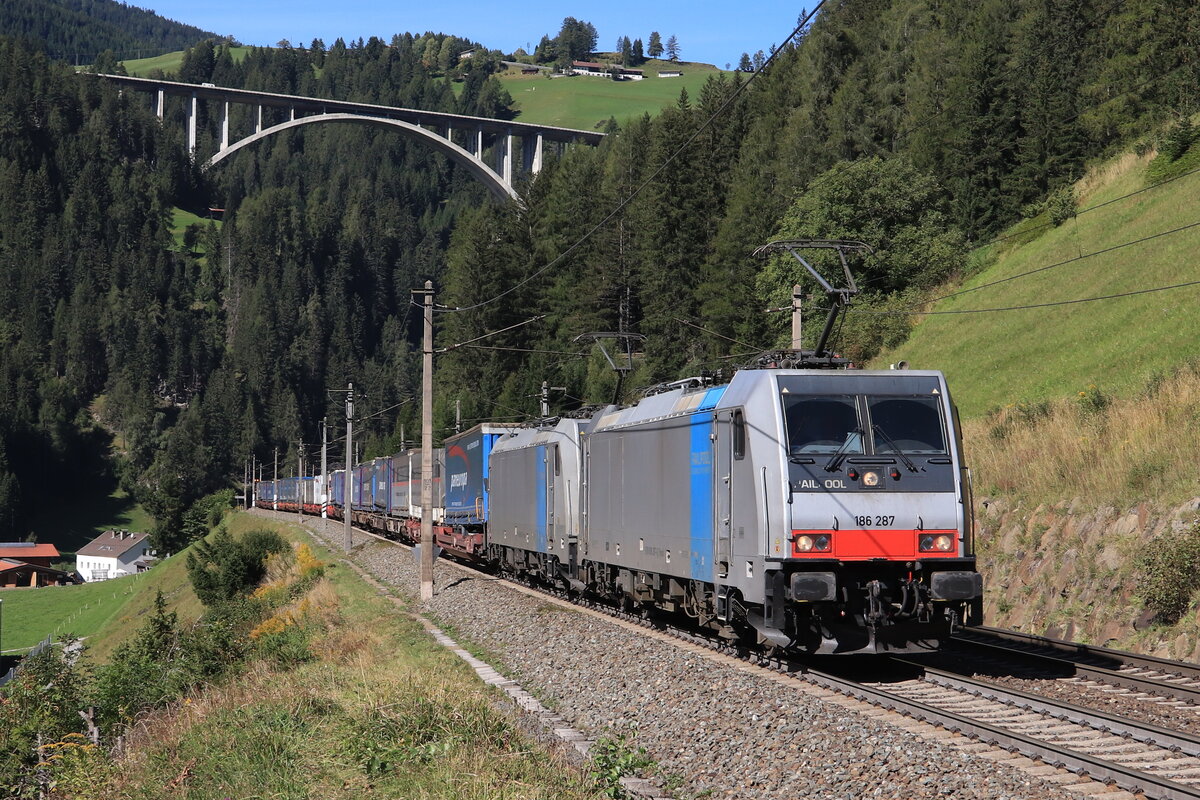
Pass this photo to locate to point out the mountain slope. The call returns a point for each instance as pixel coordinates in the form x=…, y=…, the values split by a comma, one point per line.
x=1046, y=351
x=78, y=30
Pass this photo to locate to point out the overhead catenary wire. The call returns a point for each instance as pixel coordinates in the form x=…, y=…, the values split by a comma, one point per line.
x=1030, y=306
x=1082, y=211
x=490, y=334
x=522, y=350
x=1067, y=261
x=714, y=333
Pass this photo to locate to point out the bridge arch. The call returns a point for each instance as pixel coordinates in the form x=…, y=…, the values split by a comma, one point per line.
x=494, y=182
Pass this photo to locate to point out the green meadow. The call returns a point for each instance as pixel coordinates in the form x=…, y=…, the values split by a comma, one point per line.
x=170, y=62
x=586, y=102
x=32, y=614
x=994, y=358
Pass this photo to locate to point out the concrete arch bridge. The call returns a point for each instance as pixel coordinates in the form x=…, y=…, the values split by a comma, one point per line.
x=463, y=139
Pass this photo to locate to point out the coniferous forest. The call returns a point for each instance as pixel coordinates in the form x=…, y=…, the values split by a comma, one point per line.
x=921, y=128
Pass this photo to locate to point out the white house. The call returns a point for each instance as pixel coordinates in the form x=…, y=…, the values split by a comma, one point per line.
x=113, y=554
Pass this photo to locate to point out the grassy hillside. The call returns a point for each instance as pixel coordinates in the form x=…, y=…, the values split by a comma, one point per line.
x=350, y=698
x=1117, y=345
x=104, y=613
x=587, y=102
x=170, y=62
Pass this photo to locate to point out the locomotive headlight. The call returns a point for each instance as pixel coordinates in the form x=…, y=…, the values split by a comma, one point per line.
x=871, y=478
x=813, y=543
x=938, y=543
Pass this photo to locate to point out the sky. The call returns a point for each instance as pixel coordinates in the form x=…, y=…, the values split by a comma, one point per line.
x=708, y=31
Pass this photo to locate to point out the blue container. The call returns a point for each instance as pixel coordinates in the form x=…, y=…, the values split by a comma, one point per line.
x=466, y=472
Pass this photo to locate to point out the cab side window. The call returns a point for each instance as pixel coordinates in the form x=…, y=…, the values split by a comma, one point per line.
x=739, y=436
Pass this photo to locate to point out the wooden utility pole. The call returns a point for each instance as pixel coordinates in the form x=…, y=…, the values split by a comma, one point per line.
x=797, y=344
x=324, y=469
x=348, y=500
x=300, y=479
x=427, y=450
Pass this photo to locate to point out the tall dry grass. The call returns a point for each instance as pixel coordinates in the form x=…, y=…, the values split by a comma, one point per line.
x=1101, y=450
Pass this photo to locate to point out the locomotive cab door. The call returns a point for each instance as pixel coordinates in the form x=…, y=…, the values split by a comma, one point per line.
x=727, y=431
x=552, y=470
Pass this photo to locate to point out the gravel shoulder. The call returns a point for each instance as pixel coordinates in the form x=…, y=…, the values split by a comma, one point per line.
x=715, y=728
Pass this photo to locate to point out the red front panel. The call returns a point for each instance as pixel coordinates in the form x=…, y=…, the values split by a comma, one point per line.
x=863, y=545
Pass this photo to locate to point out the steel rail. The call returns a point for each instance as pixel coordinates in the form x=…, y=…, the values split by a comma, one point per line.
x=1082, y=669
x=1094, y=767
x=1100, y=720
x=1181, y=669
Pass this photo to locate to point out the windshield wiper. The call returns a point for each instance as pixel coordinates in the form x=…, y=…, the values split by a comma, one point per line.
x=840, y=454
x=895, y=447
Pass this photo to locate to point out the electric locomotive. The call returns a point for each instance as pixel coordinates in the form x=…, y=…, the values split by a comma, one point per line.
x=805, y=504
x=820, y=511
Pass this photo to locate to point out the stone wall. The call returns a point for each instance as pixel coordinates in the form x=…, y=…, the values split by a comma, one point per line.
x=1070, y=572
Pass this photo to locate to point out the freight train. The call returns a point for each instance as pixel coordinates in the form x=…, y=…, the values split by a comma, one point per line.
x=807, y=510
x=804, y=506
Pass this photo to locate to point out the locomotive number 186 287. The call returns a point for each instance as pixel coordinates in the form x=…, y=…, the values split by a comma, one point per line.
x=874, y=522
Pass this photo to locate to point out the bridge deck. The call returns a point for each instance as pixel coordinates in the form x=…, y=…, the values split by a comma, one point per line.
x=326, y=106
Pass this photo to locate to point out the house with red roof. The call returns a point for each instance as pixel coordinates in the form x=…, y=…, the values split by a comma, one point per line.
x=43, y=555
x=28, y=564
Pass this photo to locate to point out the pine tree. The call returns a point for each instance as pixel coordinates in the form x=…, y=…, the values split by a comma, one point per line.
x=655, y=47
x=673, y=49
x=744, y=64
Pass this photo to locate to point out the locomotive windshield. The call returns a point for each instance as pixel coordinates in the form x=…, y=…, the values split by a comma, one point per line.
x=908, y=425
x=822, y=425
x=850, y=424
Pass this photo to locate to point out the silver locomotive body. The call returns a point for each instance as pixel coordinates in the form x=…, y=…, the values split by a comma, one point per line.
x=815, y=510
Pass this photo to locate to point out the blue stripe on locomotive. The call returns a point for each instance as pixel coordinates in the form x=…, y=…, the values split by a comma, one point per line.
x=541, y=498
x=700, y=472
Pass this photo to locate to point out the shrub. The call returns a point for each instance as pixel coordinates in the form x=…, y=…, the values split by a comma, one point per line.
x=1092, y=401
x=141, y=674
x=1178, y=139
x=43, y=699
x=1061, y=205
x=223, y=567
x=1169, y=573
x=614, y=757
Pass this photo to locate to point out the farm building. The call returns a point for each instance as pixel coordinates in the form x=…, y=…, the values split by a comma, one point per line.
x=36, y=553
x=15, y=574
x=113, y=554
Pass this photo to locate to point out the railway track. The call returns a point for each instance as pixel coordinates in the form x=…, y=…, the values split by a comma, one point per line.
x=1052, y=736
x=1135, y=756
x=1151, y=678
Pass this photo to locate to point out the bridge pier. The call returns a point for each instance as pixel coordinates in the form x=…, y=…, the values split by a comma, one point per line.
x=505, y=145
x=225, y=125
x=192, y=110
x=477, y=141
x=532, y=158
x=258, y=118
x=160, y=104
